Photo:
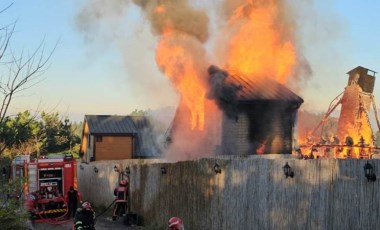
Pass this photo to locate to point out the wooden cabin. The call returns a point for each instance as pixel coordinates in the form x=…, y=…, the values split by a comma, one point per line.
x=261, y=120
x=265, y=120
x=112, y=137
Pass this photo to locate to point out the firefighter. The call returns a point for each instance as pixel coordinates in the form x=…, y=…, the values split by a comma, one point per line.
x=175, y=223
x=121, y=193
x=85, y=217
x=72, y=201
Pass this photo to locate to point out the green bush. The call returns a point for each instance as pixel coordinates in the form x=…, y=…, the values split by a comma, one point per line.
x=13, y=214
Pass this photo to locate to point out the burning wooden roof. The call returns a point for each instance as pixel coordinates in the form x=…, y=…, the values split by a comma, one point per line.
x=229, y=89
x=263, y=89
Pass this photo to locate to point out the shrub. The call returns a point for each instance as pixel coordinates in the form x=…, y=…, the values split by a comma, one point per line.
x=13, y=214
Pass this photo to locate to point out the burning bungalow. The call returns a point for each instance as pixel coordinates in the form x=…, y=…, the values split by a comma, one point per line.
x=259, y=115
x=242, y=117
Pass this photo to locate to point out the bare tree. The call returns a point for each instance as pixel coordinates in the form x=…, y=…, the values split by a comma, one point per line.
x=18, y=72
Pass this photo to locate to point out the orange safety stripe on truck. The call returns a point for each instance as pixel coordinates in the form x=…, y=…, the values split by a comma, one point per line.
x=52, y=211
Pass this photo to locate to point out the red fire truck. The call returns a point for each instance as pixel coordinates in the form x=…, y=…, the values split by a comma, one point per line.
x=46, y=182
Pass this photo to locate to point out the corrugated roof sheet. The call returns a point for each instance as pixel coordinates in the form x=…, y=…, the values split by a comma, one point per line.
x=110, y=124
x=263, y=89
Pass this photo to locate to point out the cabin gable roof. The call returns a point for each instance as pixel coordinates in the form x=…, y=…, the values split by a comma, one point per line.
x=110, y=124
x=263, y=89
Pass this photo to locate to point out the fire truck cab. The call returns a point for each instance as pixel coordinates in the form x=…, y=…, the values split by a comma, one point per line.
x=46, y=182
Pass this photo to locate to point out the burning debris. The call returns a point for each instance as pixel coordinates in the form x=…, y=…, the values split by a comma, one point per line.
x=354, y=137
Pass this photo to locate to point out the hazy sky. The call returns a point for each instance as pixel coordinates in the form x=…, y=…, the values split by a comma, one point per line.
x=98, y=74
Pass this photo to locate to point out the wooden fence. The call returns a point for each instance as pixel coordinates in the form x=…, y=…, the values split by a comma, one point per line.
x=249, y=193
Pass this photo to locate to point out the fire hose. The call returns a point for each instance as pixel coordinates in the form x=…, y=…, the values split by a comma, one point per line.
x=62, y=220
x=57, y=220
x=106, y=209
x=73, y=227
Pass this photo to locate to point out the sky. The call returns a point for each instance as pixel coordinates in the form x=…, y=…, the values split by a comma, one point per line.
x=95, y=73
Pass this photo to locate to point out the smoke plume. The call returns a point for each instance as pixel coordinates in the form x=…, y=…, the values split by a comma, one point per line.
x=178, y=15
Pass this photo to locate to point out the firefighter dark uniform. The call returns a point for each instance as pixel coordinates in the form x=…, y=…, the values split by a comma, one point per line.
x=85, y=217
x=72, y=201
x=121, y=193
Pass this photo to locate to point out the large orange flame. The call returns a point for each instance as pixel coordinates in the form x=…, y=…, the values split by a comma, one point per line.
x=258, y=47
x=178, y=65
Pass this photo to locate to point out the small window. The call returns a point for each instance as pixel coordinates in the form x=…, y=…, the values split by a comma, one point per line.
x=98, y=138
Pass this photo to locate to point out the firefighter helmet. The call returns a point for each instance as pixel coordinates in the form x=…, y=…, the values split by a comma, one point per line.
x=175, y=223
x=124, y=182
x=86, y=205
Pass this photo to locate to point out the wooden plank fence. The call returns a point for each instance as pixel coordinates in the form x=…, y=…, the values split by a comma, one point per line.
x=249, y=193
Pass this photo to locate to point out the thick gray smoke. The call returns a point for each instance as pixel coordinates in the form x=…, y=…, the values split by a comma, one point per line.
x=188, y=28
x=223, y=92
x=179, y=15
